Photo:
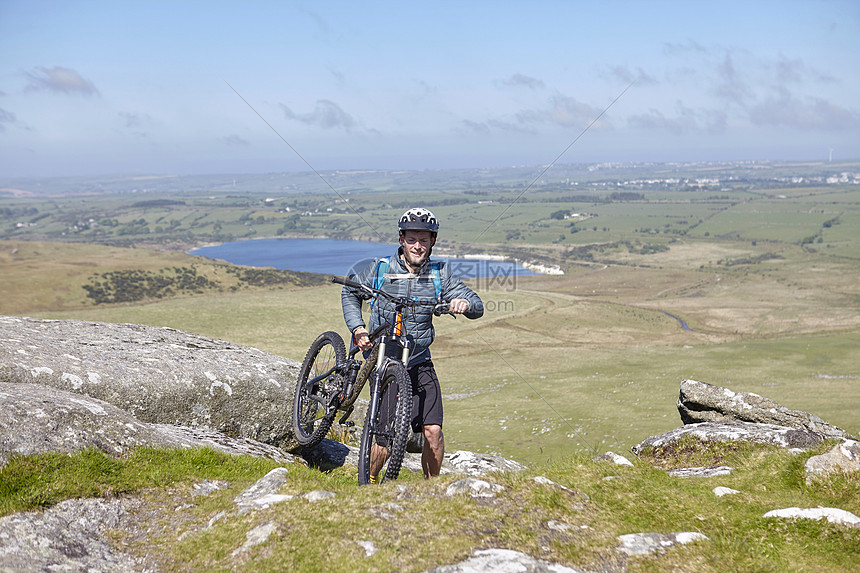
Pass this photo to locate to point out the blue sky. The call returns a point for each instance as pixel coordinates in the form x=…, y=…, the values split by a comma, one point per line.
x=141, y=87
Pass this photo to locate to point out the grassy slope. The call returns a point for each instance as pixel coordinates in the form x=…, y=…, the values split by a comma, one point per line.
x=420, y=528
x=584, y=362
x=558, y=366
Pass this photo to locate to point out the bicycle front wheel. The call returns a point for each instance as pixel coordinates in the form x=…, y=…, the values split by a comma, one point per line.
x=387, y=426
x=312, y=414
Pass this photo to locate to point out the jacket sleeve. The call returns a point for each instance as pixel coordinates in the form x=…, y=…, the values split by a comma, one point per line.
x=453, y=287
x=350, y=298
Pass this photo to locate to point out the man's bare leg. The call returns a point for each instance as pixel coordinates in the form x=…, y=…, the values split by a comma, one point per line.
x=378, y=456
x=434, y=451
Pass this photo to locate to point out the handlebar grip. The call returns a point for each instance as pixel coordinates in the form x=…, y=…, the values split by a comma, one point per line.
x=442, y=308
x=345, y=282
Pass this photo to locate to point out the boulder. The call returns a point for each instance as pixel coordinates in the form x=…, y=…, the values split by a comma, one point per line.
x=38, y=419
x=700, y=402
x=843, y=458
x=734, y=432
x=156, y=374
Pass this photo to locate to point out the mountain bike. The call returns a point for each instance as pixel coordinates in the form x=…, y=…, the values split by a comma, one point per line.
x=330, y=380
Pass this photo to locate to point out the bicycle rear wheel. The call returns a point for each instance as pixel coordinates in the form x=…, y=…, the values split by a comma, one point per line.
x=389, y=428
x=312, y=416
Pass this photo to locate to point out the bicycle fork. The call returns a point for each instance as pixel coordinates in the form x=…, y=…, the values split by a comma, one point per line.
x=348, y=389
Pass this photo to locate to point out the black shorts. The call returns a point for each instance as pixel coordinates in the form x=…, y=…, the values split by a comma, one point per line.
x=426, y=396
x=426, y=400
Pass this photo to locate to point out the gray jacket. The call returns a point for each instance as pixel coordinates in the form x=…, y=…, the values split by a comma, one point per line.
x=418, y=320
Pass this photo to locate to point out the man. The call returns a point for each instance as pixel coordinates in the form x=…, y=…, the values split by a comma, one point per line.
x=411, y=273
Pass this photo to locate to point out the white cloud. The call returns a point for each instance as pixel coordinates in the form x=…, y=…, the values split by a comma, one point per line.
x=233, y=140
x=520, y=80
x=495, y=125
x=6, y=118
x=685, y=120
x=564, y=111
x=326, y=114
x=135, y=119
x=786, y=110
x=627, y=75
x=59, y=80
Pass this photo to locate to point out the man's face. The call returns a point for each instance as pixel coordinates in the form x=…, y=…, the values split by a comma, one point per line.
x=416, y=246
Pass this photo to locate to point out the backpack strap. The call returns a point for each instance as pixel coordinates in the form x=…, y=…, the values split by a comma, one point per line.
x=381, y=269
x=436, y=277
x=382, y=272
x=379, y=275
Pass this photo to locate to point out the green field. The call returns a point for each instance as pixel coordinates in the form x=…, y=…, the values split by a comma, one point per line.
x=765, y=273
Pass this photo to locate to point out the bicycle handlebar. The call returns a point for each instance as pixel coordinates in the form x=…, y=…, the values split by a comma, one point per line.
x=439, y=308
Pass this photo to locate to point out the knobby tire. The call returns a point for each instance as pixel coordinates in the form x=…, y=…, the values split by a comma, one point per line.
x=312, y=419
x=398, y=426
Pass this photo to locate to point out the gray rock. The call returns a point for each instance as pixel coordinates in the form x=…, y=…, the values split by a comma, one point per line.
x=720, y=491
x=474, y=488
x=37, y=419
x=481, y=464
x=329, y=454
x=560, y=526
x=206, y=487
x=369, y=548
x=645, y=543
x=318, y=495
x=616, y=459
x=502, y=561
x=735, y=432
x=702, y=472
x=256, y=536
x=68, y=537
x=701, y=402
x=546, y=481
x=831, y=514
x=197, y=437
x=264, y=492
x=843, y=458
x=158, y=375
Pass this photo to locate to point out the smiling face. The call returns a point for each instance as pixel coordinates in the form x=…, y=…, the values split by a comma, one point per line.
x=416, y=246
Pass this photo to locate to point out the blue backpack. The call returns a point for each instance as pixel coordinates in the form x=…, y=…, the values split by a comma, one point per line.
x=435, y=275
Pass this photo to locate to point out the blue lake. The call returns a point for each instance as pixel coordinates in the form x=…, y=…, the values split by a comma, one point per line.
x=338, y=257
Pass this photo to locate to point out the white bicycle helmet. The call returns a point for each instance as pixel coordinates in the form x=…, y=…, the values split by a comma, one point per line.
x=418, y=219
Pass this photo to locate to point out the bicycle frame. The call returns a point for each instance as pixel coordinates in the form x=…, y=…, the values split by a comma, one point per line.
x=349, y=369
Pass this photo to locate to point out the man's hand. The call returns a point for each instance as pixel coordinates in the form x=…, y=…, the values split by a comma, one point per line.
x=458, y=306
x=362, y=338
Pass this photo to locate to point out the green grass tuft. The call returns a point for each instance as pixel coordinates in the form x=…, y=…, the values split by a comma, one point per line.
x=40, y=481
